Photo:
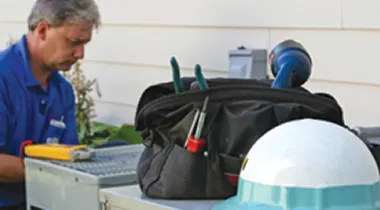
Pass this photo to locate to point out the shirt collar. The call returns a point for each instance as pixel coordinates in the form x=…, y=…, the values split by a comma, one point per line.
x=24, y=71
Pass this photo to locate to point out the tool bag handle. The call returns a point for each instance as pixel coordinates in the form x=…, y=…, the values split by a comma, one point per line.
x=166, y=88
x=163, y=94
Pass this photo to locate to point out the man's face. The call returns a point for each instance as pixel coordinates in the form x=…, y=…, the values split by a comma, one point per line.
x=63, y=46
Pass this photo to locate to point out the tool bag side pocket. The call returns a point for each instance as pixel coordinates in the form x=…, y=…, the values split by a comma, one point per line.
x=175, y=173
x=187, y=175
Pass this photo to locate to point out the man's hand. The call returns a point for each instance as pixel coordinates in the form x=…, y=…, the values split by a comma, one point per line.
x=11, y=169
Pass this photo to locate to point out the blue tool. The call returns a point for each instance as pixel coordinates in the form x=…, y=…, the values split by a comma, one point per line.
x=177, y=82
x=290, y=64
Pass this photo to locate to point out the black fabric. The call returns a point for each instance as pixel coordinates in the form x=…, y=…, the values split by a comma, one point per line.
x=239, y=112
x=19, y=207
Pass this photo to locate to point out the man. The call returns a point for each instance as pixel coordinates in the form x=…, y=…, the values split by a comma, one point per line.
x=34, y=97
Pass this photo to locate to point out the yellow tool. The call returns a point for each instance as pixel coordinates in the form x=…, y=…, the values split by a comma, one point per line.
x=56, y=151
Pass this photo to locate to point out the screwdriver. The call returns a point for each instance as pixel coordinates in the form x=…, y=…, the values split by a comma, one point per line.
x=195, y=143
x=192, y=127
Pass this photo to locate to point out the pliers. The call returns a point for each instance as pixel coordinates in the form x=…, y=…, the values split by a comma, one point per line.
x=200, y=78
x=177, y=82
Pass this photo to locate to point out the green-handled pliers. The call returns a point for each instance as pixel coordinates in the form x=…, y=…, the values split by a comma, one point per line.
x=200, y=78
x=177, y=82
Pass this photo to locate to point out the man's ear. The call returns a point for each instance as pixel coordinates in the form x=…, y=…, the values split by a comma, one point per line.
x=42, y=29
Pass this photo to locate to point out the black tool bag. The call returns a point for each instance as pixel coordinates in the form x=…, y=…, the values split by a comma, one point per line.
x=239, y=112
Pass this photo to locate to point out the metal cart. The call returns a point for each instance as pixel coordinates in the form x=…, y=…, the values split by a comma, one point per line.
x=131, y=198
x=61, y=185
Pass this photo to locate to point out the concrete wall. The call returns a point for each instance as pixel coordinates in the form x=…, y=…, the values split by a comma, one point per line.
x=133, y=48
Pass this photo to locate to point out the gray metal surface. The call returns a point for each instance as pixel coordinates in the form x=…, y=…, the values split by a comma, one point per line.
x=370, y=135
x=107, y=161
x=61, y=185
x=247, y=63
x=131, y=198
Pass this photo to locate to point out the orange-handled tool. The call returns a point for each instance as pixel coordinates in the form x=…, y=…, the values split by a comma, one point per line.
x=196, y=143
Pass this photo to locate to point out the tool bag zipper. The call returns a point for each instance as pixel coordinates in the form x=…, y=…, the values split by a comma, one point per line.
x=238, y=93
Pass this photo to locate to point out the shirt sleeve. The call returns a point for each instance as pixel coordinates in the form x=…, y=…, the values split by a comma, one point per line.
x=4, y=118
x=3, y=129
x=70, y=136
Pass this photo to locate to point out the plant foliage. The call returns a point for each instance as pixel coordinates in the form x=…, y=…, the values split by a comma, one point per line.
x=85, y=106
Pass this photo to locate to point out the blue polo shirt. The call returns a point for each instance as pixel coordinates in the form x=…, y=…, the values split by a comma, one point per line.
x=26, y=109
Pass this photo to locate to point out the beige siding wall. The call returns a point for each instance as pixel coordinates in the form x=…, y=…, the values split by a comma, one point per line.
x=132, y=49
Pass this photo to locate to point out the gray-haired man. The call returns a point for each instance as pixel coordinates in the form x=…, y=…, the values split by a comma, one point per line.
x=33, y=96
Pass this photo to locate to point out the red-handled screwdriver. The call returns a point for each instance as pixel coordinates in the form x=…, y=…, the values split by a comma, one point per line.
x=191, y=130
x=195, y=143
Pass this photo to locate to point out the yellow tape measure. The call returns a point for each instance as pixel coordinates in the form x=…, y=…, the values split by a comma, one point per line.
x=56, y=151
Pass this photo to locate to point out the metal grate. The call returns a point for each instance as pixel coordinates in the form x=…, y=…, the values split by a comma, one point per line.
x=107, y=162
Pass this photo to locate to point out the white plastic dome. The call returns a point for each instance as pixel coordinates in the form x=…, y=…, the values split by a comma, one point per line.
x=310, y=153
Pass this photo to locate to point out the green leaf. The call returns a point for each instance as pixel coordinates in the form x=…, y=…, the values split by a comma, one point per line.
x=81, y=132
x=102, y=128
x=127, y=133
x=98, y=142
x=102, y=133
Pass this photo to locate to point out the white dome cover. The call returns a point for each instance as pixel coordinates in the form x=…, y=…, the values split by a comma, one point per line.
x=310, y=153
